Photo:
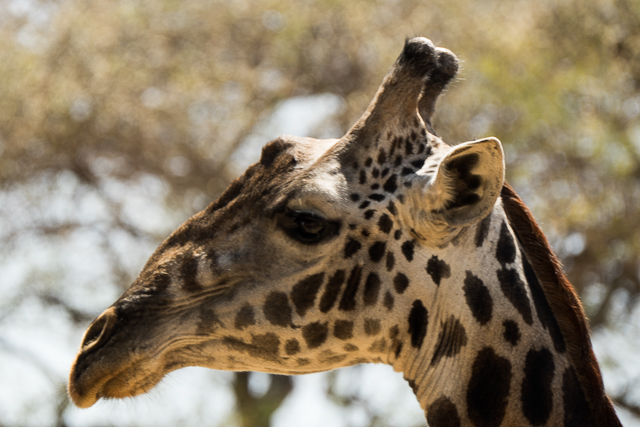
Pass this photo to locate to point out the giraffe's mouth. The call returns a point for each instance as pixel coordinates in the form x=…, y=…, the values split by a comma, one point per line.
x=90, y=382
x=107, y=367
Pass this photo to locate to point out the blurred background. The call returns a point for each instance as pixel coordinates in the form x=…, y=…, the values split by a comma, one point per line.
x=120, y=119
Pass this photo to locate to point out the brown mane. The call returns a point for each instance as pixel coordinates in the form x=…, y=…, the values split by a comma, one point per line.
x=565, y=305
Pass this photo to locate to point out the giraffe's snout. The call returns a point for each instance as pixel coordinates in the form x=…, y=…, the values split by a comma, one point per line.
x=85, y=381
x=100, y=330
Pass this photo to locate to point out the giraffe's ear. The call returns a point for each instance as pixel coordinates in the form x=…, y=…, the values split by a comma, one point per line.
x=461, y=188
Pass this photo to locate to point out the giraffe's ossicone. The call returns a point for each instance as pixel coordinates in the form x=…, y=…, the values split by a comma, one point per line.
x=386, y=245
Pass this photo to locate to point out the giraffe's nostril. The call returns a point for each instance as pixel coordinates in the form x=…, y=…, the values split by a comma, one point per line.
x=100, y=330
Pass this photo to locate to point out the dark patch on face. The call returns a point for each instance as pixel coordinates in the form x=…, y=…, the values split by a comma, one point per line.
x=391, y=184
x=537, y=394
x=371, y=327
x=363, y=177
x=418, y=322
x=511, y=332
x=350, y=347
x=545, y=314
x=382, y=156
x=315, y=334
x=451, y=339
x=482, y=230
x=368, y=162
x=375, y=172
x=368, y=214
x=443, y=413
x=292, y=347
x=364, y=204
x=343, y=329
x=375, y=186
x=407, y=249
x=377, y=197
x=576, y=409
x=304, y=292
x=354, y=197
x=376, y=251
x=385, y=224
x=506, y=248
x=277, y=309
x=438, y=269
x=245, y=317
x=388, y=301
x=352, y=226
x=348, y=301
x=351, y=248
x=391, y=207
x=400, y=283
x=365, y=232
x=398, y=161
x=262, y=346
x=488, y=389
x=189, y=273
x=332, y=291
x=371, y=289
x=391, y=261
x=397, y=234
x=513, y=288
x=478, y=298
x=384, y=173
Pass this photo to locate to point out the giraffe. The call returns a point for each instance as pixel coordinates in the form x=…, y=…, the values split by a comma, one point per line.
x=384, y=246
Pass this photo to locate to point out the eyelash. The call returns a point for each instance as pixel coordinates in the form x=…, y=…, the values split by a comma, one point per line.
x=307, y=227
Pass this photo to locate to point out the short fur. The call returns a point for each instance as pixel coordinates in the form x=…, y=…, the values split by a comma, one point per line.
x=565, y=305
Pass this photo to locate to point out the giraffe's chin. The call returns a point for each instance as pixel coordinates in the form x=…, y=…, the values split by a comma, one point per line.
x=95, y=382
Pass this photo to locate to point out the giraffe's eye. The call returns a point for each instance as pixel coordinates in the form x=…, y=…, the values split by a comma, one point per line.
x=307, y=227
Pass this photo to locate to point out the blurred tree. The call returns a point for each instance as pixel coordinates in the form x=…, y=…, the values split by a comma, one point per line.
x=110, y=108
x=255, y=411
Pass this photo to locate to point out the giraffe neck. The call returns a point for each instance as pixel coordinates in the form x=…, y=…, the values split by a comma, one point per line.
x=484, y=341
x=497, y=350
x=566, y=308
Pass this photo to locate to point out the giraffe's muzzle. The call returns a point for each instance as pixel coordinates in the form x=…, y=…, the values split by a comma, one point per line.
x=96, y=336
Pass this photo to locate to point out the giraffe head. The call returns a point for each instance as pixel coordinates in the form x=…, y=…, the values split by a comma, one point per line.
x=304, y=262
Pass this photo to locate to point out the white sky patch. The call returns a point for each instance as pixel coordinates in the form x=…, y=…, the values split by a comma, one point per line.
x=301, y=116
